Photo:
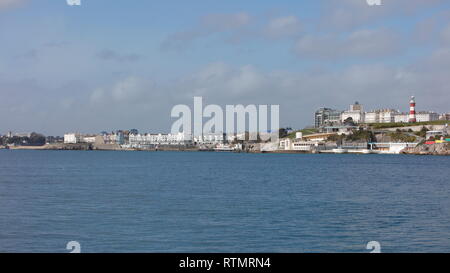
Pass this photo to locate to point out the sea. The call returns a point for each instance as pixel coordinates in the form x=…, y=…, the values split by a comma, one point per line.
x=176, y=202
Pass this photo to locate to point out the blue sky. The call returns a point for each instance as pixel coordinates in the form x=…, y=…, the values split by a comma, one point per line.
x=109, y=65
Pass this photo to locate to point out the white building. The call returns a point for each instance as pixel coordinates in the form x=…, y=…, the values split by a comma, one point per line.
x=88, y=139
x=420, y=117
x=357, y=117
x=285, y=144
x=211, y=138
x=355, y=112
x=72, y=138
x=148, y=140
x=426, y=116
x=401, y=118
x=381, y=116
x=115, y=138
x=308, y=146
x=299, y=144
x=445, y=116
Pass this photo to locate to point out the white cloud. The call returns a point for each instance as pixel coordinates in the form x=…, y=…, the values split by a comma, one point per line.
x=231, y=24
x=445, y=35
x=112, y=55
x=282, y=27
x=358, y=44
x=131, y=89
x=348, y=14
x=225, y=22
x=10, y=3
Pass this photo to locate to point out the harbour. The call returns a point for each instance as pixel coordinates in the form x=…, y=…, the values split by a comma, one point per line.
x=115, y=201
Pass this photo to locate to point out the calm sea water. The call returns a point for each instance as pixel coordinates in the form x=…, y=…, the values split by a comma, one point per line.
x=222, y=202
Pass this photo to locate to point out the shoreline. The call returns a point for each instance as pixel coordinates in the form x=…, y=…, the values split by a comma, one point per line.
x=52, y=147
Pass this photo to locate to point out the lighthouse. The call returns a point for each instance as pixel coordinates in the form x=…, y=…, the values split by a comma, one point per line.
x=412, y=110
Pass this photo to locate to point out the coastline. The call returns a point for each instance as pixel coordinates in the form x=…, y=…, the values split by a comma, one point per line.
x=435, y=149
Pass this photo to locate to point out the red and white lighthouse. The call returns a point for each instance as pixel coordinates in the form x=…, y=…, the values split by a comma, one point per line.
x=412, y=110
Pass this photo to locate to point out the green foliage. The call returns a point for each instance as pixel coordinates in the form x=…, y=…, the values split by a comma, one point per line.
x=34, y=140
x=399, y=136
x=361, y=135
x=336, y=138
x=282, y=133
x=305, y=132
x=393, y=124
x=422, y=132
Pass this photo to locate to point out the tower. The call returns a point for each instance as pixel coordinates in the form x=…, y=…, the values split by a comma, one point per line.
x=412, y=110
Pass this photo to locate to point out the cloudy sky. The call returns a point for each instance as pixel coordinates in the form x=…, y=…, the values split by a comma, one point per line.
x=116, y=64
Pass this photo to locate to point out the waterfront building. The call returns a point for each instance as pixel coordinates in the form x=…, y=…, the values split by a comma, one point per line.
x=285, y=144
x=114, y=138
x=391, y=147
x=435, y=133
x=92, y=139
x=326, y=116
x=152, y=140
x=72, y=138
x=211, y=138
x=288, y=144
x=308, y=146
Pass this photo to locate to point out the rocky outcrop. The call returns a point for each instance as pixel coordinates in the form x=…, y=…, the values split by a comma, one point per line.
x=429, y=149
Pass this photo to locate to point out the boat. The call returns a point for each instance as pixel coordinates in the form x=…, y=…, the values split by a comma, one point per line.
x=339, y=151
x=224, y=148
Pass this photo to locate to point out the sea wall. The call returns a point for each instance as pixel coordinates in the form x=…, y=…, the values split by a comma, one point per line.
x=429, y=149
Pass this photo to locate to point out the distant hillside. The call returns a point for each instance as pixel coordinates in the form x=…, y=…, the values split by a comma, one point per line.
x=305, y=132
x=394, y=125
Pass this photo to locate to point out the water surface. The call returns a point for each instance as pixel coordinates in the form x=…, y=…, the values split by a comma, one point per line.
x=222, y=202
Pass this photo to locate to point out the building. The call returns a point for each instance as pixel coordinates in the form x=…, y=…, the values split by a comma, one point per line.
x=444, y=116
x=401, y=118
x=435, y=134
x=426, y=116
x=114, y=138
x=308, y=146
x=355, y=112
x=287, y=144
x=72, y=138
x=340, y=129
x=92, y=139
x=211, y=138
x=326, y=116
x=152, y=140
x=381, y=116
x=21, y=135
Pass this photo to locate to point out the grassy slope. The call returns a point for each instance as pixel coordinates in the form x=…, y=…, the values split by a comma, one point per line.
x=394, y=125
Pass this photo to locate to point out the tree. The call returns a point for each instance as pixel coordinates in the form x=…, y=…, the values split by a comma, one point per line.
x=349, y=122
x=283, y=132
x=36, y=139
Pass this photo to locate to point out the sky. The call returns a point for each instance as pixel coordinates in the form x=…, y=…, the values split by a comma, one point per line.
x=114, y=64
